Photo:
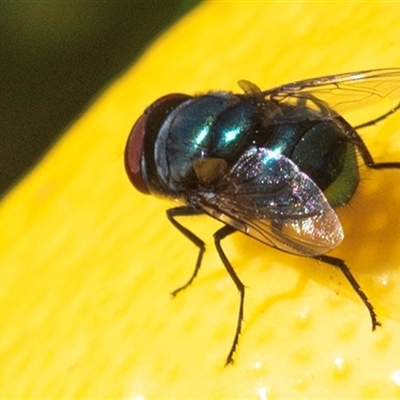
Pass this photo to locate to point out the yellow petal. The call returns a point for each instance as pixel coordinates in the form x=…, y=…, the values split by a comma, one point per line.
x=87, y=263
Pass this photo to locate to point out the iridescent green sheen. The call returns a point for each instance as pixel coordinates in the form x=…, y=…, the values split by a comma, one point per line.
x=233, y=130
x=346, y=183
x=326, y=155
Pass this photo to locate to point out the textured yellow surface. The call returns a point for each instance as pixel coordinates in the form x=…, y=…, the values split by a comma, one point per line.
x=87, y=263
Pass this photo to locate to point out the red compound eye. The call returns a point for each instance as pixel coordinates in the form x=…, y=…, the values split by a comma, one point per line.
x=148, y=124
x=134, y=153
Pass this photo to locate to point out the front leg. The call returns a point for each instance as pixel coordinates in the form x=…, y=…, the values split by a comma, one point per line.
x=218, y=236
x=185, y=211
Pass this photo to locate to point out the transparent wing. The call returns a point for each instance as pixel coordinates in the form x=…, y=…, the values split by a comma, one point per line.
x=266, y=196
x=377, y=91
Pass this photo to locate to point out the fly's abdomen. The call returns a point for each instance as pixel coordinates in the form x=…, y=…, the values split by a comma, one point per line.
x=327, y=156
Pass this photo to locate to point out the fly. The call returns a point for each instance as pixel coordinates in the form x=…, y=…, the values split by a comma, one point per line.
x=272, y=164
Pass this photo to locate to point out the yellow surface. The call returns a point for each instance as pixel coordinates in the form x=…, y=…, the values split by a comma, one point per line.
x=87, y=263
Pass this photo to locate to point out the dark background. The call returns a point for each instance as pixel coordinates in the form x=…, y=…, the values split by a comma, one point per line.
x=55, y=56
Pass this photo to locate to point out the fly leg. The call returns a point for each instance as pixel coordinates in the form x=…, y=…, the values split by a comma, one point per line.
x=356, y=140
x=183, y=212
x=366, y=155
x=218, y=236
x=378, y=119
x=338, y=263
